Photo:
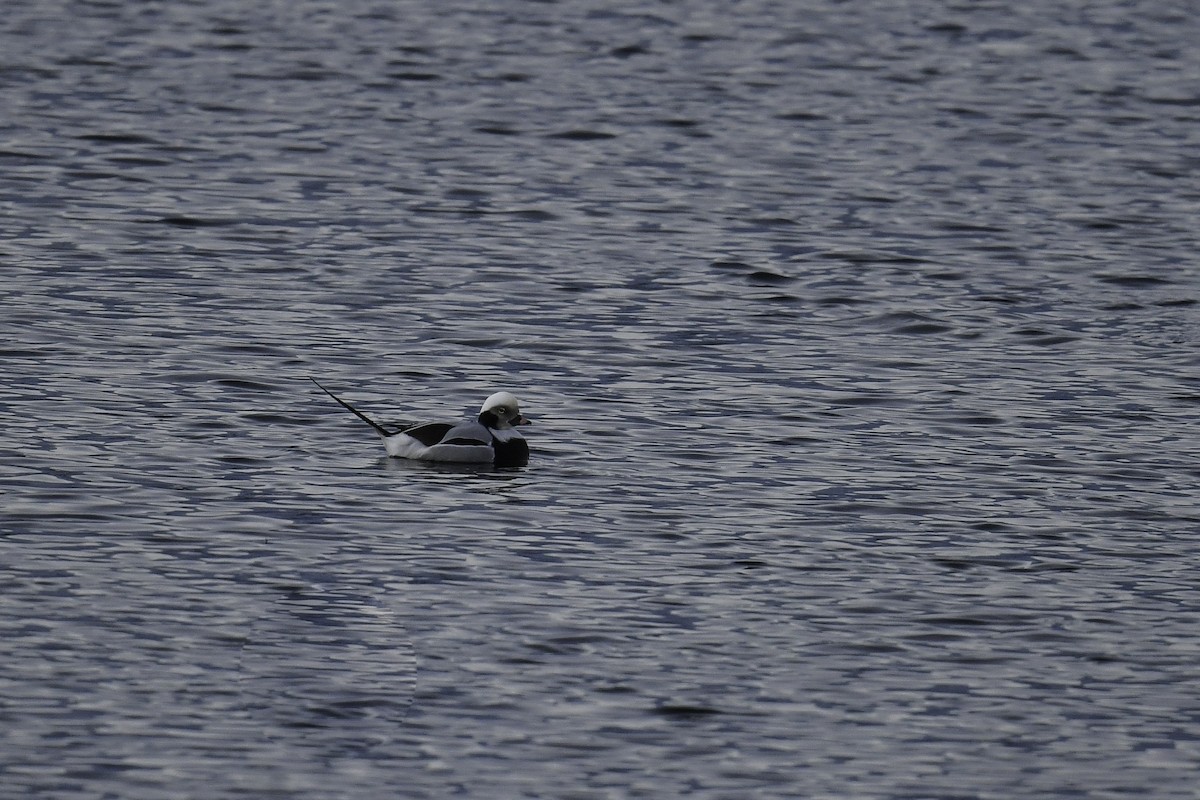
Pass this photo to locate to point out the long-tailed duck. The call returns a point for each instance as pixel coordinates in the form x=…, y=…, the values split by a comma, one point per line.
x=489, y=438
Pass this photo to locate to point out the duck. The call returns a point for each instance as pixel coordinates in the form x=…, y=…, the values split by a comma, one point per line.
x=490, y=438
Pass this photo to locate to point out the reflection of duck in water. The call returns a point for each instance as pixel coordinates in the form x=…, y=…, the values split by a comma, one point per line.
x=490, y=438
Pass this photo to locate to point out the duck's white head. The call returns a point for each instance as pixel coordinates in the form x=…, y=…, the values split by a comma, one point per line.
x=502, y=410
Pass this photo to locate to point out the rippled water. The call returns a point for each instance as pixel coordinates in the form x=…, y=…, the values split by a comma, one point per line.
x=860, y=341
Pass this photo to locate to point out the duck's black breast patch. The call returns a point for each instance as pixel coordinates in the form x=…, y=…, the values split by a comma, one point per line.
x=429, y=434
x=513, y=453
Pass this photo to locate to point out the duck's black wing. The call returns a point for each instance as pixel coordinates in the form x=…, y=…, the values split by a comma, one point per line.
x=430, y=433
x=468, y=433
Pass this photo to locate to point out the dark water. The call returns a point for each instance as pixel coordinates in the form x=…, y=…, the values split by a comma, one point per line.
x=860, y=341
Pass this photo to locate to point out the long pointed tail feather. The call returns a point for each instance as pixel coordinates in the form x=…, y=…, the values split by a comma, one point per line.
x=382, y=431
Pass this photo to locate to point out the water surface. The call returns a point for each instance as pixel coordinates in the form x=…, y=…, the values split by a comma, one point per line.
x=860, y=343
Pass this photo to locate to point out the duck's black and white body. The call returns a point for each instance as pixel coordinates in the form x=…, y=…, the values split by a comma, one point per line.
x=490, y=438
